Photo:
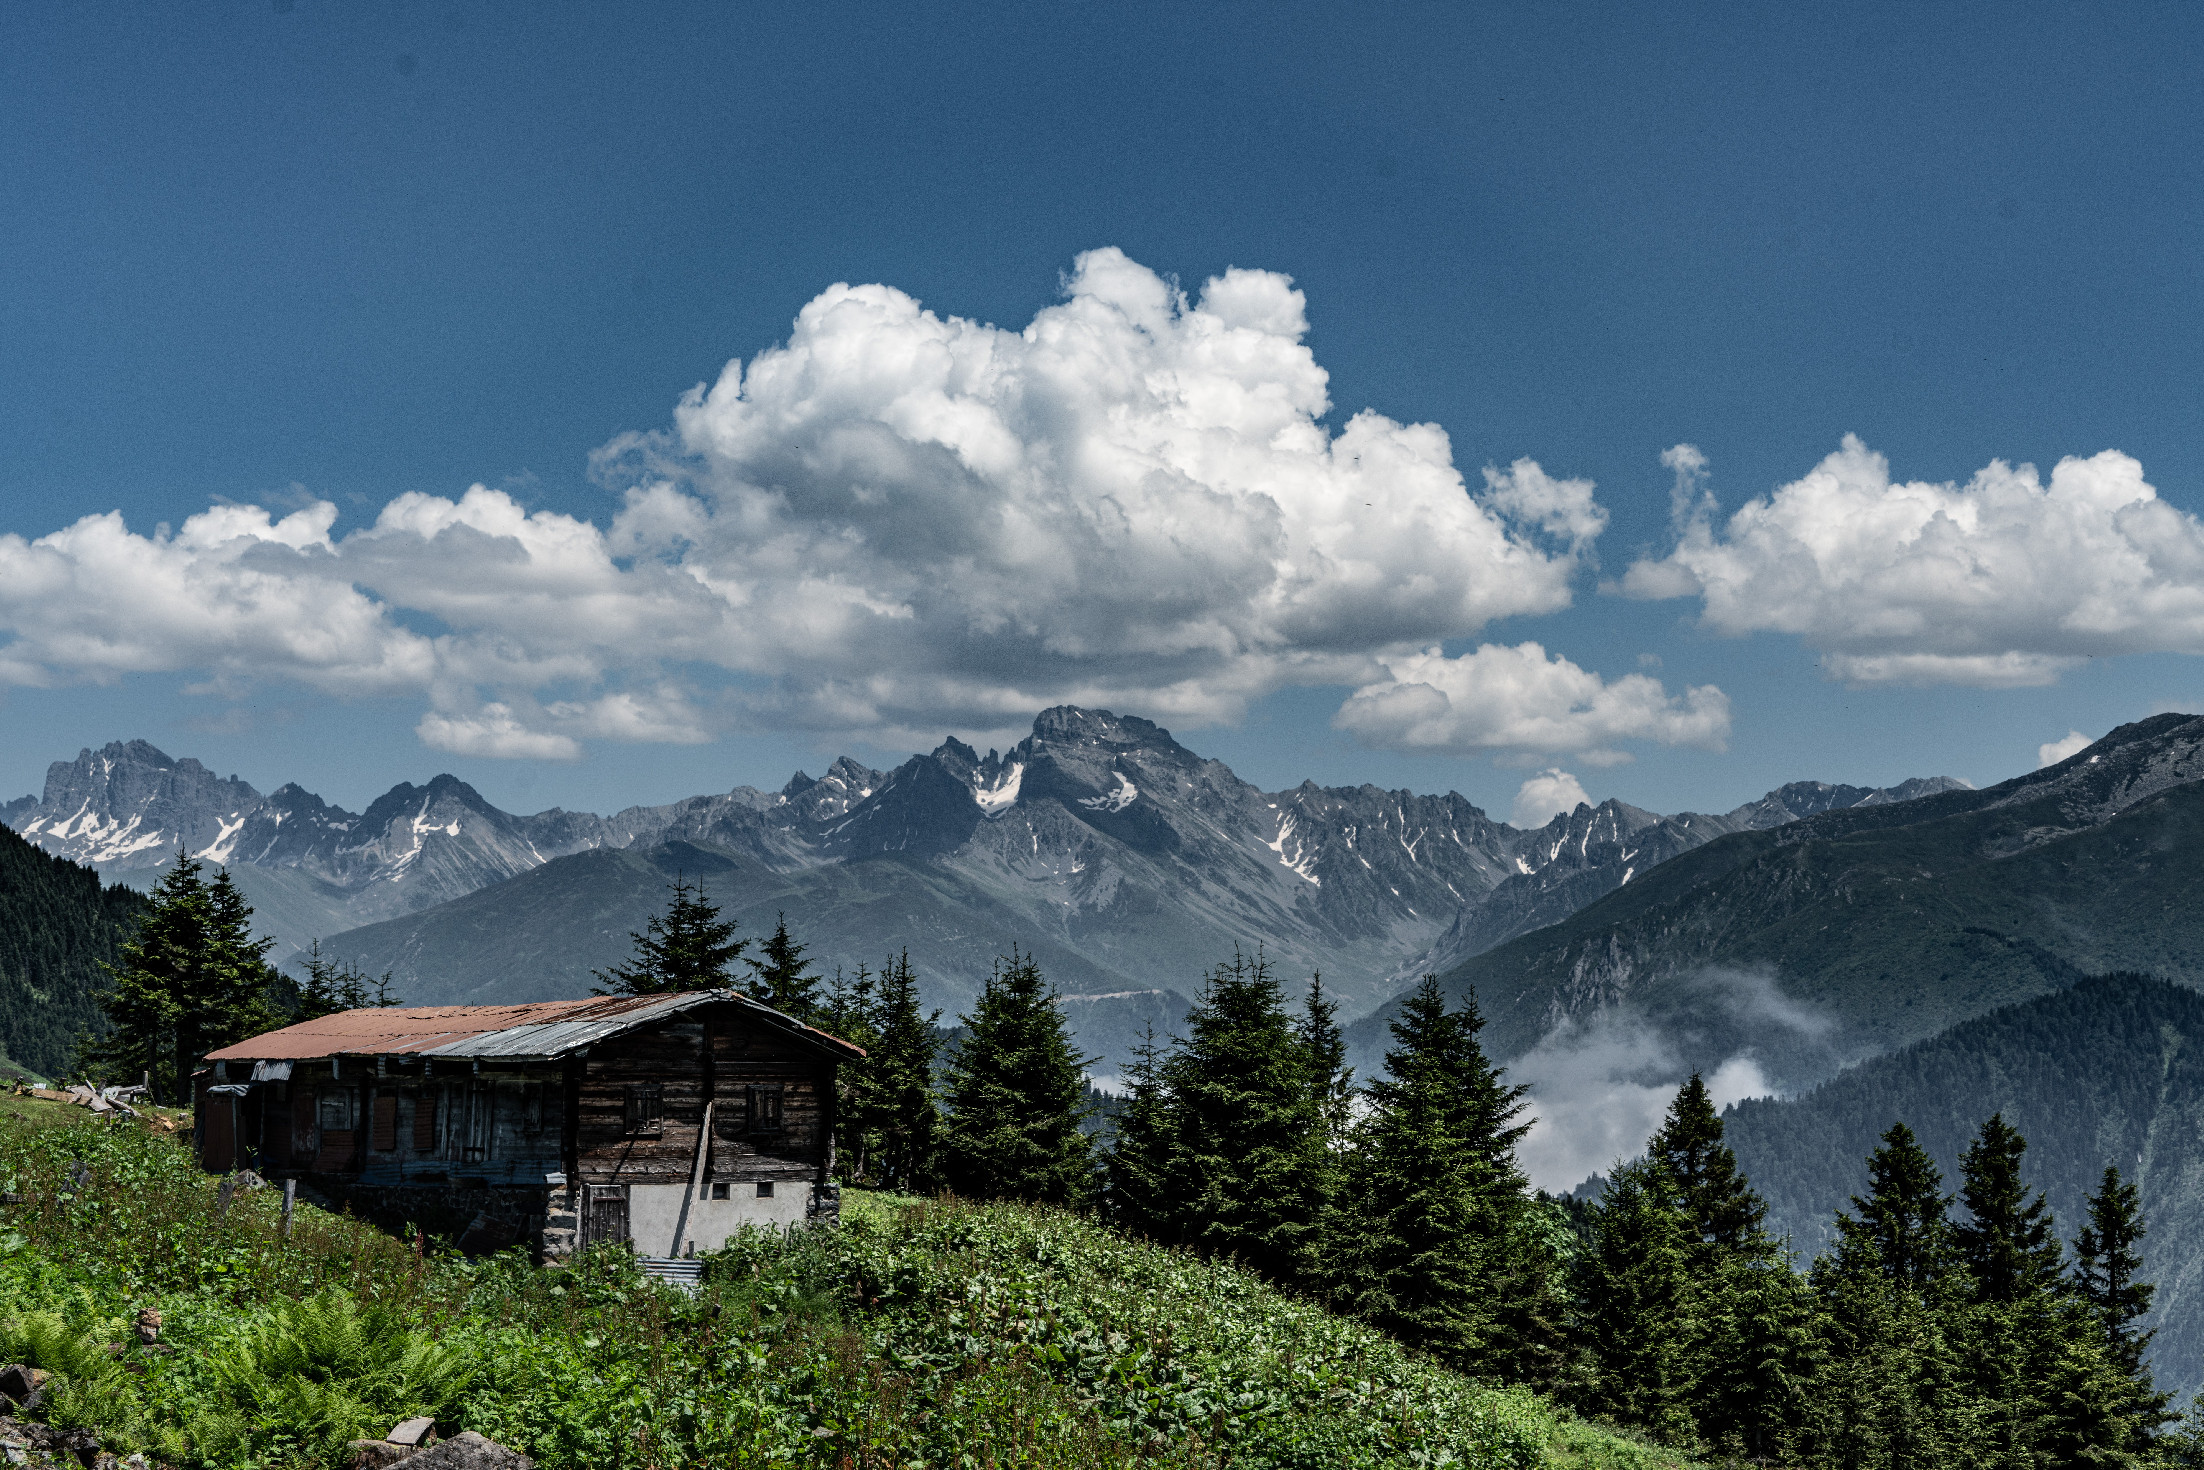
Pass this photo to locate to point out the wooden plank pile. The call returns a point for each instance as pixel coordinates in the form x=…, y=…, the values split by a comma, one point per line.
x=102, y=1101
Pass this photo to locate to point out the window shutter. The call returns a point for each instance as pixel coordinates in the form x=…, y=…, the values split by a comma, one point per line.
x=480, y=1099
x=302, y=1123
x=765, y=1109
x=424, y=1121
x=643, y=1109
x=386, y=1122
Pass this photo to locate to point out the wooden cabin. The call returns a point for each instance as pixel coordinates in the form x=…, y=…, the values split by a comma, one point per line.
x=668, y=1121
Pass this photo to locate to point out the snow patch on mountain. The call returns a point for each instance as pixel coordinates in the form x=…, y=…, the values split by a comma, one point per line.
x=1300, y=862
x=1000, y=797
x=1116, y=801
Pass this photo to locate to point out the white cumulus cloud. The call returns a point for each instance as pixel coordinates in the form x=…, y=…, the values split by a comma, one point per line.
x=1523, y=702
x=898, y=522
x=2003, y=581
x=234, y=594
x=1552, y=792
x=2051, y=752
x=493, y=731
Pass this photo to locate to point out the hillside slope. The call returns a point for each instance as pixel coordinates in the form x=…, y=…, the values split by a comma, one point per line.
x=919, y=1334
x=2110, y=1071
x=58, y=923
x=1856, y=931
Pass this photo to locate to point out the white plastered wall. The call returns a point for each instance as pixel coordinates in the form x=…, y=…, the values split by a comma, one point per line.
x=654, y=1214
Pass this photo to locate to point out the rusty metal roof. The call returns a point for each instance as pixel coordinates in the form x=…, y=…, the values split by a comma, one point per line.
x=538, y=1031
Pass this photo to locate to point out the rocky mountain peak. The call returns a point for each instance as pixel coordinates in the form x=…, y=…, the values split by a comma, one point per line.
x=134, y=766
x=406, y=801
x=845, y=784
x=137, y=752
x=957, y=758
x=128, y=804
x=1069, y=725
x=1095, y=820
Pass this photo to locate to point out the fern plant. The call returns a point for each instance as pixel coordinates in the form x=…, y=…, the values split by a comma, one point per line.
x=329, y=1361
x=46, y=1340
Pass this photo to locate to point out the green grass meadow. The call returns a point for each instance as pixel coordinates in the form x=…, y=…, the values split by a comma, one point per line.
x=921, y=1334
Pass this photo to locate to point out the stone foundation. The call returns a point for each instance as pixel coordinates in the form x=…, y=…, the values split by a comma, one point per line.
x=481, y=1218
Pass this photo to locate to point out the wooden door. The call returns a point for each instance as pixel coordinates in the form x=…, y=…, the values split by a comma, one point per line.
x=302, y=1123
x=608, y=1213
x=218, y=1141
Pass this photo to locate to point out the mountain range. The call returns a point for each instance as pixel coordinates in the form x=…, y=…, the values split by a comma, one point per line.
x=1125, y=861
x=1857, y=930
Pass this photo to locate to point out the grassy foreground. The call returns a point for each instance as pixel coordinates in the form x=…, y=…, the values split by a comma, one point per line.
x=920, y=1335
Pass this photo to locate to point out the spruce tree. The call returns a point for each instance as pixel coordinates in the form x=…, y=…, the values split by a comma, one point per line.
x=1325, y=1048
x=2006, y=1242
x=1759, y=1361
x=156, y=963
x=848, y=1012
x=1745, y=1334
x=2107, y=1260
x=689, y=947
x=190, y=979
x=1433, y=1238
x=1900, y=1230
x=903, y=1117
x=1017, y=1095
x=1137, y=1171
x=1245, y=1177
x=2012, y=1330
x=1895, y=1389
x=332, y=987
x=784, y=978
x=1636, y=1295
x=1721, y=1211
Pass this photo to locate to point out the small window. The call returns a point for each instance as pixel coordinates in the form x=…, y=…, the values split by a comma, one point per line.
x=765, y=1189
x=723, y=1191
x=765, y=1109
x=386, y=1123
x=643, y=1103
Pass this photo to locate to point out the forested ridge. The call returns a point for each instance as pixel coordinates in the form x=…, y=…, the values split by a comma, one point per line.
x=1952, y=1321
x=58, y=925
x=2108, y=1072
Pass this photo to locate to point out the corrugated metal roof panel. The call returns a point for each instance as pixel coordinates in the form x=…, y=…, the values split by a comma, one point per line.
x=542, y=1029
x=557, y=1037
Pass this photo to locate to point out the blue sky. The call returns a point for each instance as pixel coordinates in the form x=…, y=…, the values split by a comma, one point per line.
x=289, y=253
